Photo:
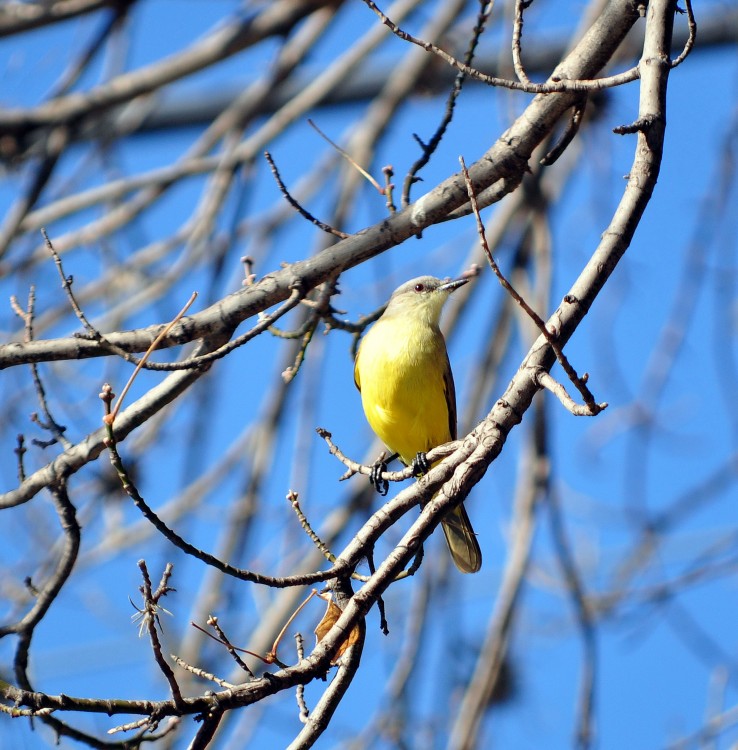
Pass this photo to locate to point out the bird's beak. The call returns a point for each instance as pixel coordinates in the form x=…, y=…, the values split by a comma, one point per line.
x=450, y=286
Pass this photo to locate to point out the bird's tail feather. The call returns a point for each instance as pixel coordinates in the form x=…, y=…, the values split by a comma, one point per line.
x=462, y=541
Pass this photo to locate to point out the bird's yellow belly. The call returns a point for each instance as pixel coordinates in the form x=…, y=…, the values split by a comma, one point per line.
x=404, y=399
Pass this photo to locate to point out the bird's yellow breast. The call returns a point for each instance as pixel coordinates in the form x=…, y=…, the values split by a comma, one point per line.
x=402, y=375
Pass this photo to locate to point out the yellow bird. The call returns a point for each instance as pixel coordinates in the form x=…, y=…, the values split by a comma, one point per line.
x=407, y=390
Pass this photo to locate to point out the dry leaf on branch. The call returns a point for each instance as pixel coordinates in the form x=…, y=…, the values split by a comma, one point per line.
x=332, y=613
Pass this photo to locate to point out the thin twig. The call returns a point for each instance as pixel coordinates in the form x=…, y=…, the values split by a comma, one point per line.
x=300, y=692
x=46, y=594
x=67, y=282
x=265, y=323
x=437, y=453
x=114, y=413
x=48, y=423
x=520, y=6
x=429, y=148
x=199, y=361
x=389, y=187
x=290, y=620
x=210, y=723
x=579, y=383
x=293, y=499
x=302, y=211
x=150, y=620
x=147, y=724
x=547, y=381
x=213, y=622
x=383, y=625
x=289, y=373
x=357, y=328
x=202, y=673
x=348, y=158
x=572, y=128
x=689, y=44
x=552, y=87
x=129, y=487
x=20, y=451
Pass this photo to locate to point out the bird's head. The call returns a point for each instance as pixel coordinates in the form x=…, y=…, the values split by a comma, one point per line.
x=423, y=297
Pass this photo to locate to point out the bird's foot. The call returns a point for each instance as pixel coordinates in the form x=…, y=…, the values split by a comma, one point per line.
x=420, y=465
x=375, y=478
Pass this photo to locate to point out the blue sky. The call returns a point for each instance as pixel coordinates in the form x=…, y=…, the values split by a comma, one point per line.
x=656, y=661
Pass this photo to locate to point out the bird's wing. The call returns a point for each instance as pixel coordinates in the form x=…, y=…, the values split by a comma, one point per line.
x=357, y=379
x=450, y=392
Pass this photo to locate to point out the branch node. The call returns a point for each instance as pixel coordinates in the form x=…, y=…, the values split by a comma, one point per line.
x=545, y=380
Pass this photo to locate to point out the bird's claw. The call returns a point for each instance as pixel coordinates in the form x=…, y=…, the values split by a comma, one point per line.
x=420, y=465
x=375, y=478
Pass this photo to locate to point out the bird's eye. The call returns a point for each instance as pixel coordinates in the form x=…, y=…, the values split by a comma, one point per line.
x=420, y=287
